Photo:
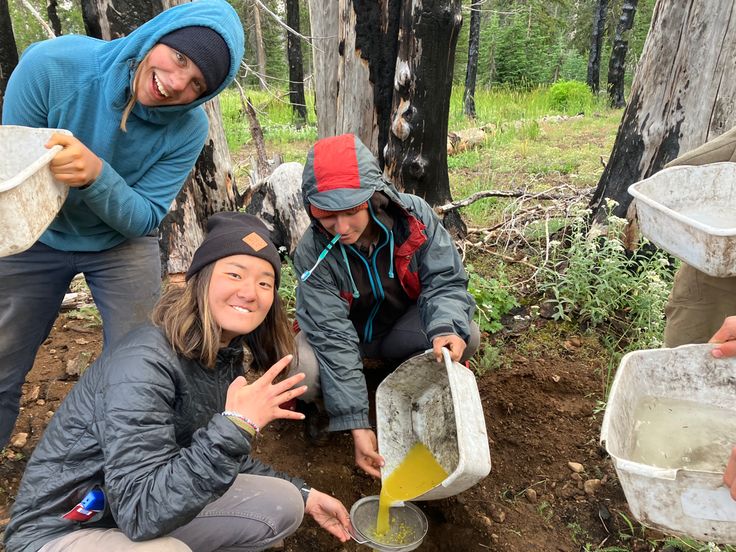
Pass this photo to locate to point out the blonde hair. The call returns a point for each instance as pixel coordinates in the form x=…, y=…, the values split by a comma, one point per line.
x=133, y=96
x=183, y=314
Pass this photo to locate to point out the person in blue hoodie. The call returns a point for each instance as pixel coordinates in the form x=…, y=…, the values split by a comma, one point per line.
x=134, y=107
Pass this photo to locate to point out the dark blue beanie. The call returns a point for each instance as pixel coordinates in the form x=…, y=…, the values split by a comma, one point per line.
x=206, y=48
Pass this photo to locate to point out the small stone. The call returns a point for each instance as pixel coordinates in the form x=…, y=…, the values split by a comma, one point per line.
x=19, y=441
x=531, y=495
x=40, y=402
x=555, y=378
x=498, y=515
x=50, y=414
x=591, y=486
x=35, y=392
x=81, y=341
x=485, y=520
x=576, y=467
x=576, y=477
x=576, y=341
x=494, y=538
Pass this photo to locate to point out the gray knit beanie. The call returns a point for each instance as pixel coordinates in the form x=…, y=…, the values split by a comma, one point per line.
x=206, y=48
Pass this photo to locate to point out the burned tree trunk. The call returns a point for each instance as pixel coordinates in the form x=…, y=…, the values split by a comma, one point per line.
x=296, y=68
x=416, y=156
x=472, y=69
x=683, y=94
x=53, y=16
x=8, y=50
x=596, y=42
x=209, y=187
x=109, y=19
x=354, y=62
x=617, y=64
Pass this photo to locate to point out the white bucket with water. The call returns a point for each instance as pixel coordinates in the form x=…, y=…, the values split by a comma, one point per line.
x=437, y=404
x=685, y=501
x=30, y=197
x=690, y=212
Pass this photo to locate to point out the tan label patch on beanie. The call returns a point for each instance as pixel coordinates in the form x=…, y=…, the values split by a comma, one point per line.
x=255, y=241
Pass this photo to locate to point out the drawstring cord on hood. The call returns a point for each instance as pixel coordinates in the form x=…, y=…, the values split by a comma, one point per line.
x=356, y=293
x=321, y=257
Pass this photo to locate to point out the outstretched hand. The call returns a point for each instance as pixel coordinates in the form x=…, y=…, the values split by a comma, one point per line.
x=329, y=513
x=366, y=452
x=726, y=338
x=260, y=401
x=453, y=343
x=75, y=165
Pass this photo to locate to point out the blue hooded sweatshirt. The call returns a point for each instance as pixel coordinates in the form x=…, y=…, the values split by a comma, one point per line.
x=82, y=84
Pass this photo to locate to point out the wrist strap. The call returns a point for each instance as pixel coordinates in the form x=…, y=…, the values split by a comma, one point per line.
x=233, y=414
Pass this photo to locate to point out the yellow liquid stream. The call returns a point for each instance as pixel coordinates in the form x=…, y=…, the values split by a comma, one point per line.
x=417, y=473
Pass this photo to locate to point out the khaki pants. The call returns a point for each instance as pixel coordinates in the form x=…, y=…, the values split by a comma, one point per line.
x=697, y=306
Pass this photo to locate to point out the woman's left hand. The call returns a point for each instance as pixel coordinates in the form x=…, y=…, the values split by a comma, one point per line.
x=75, y=165
x=329, y=513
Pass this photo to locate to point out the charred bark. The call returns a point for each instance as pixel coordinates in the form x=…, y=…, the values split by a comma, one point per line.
x=416, y=153
x=296, y=65
x=596, y=42
x=109, y=19
x=53, y=16
x=617, y=63
x=683, y=95
x=472, y=69
x=8, y=50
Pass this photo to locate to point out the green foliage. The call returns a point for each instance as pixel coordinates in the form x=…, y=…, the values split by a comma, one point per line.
x=595, y=280
x=685, y=544
x=491, y=358
x=287, y=288
x=570, y=96
x=492, y=298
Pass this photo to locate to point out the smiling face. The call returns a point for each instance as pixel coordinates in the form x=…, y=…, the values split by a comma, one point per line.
x=168, y=77
x=241, y=293
x=350, y=226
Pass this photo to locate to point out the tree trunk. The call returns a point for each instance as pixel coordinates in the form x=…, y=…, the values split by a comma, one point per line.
x=683, y=94
x=617, y=64
x=209, y=187
x=472, y=69
x=109, y=19
x=323, y=22
x=596, y=42
x=8, y=51
x=260, y=48
x=363, y=52
x=296, y=69
x=53, y=16
x=416, y=157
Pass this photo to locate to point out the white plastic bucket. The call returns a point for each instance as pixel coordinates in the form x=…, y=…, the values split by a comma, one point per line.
x=691, y=213
x=437, y=404
x=30, y=197
x=679, y=501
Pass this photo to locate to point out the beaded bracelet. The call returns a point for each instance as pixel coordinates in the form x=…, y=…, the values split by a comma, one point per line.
x=241, y=417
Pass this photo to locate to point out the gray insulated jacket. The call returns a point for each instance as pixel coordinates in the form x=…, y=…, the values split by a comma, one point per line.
x=143, y=424
x=332, y=303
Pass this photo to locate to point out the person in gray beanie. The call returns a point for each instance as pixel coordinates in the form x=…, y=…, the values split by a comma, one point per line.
x=154, y=442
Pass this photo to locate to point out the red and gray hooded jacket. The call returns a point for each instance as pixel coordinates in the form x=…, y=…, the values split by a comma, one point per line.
x=348, y=296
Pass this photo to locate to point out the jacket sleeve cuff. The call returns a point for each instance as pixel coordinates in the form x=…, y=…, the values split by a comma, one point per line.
x=349, y=421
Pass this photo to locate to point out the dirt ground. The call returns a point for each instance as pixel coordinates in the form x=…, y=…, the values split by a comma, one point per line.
x=541, y=414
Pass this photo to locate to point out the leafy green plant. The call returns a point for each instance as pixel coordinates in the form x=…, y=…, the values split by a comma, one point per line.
x=570, y=96
x=595, y=280
x=89, y=315
x=489, y=359
x=287, y=289
x=492, y=298
x=685, y=544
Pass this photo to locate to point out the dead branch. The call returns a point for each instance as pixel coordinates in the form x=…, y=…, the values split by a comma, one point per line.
x=442, y=209
x=37, y=16
x=262, y=167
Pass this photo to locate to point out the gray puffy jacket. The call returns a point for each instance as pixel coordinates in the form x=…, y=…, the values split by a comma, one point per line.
x=143, y=424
